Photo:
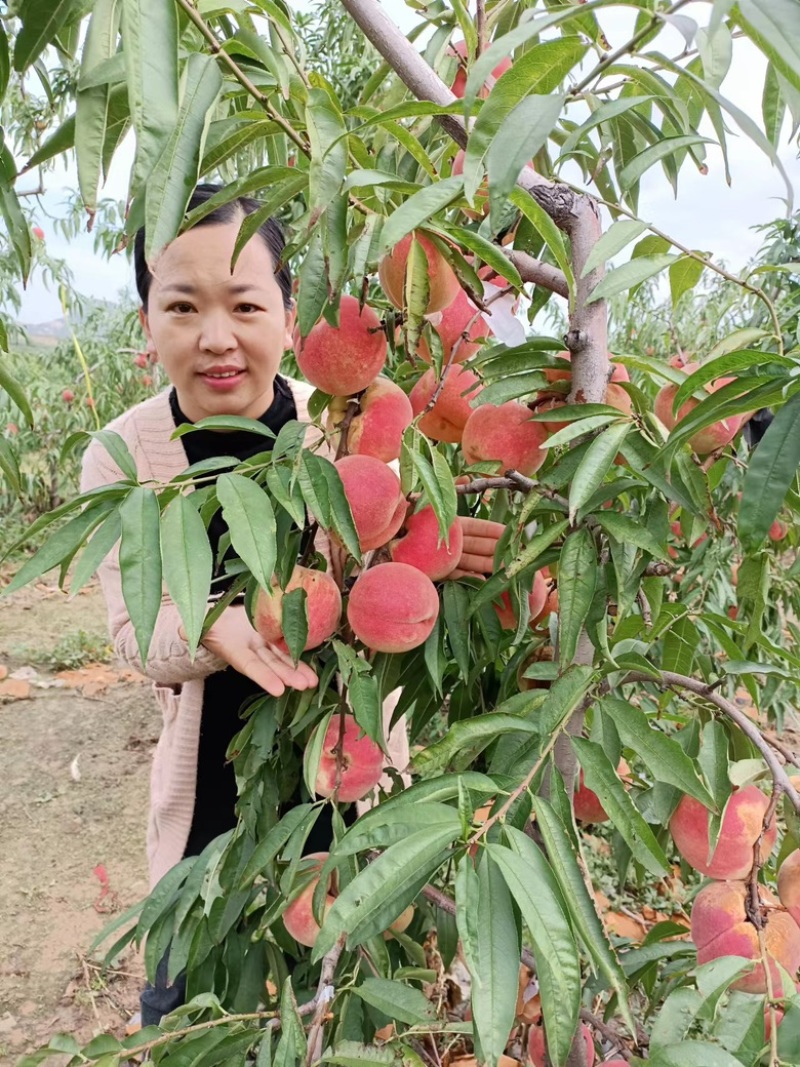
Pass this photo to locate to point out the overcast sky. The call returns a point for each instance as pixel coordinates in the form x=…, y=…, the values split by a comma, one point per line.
x=709, y=215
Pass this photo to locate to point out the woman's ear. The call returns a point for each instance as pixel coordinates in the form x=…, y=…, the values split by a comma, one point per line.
x=291, y=315
x=150, y=346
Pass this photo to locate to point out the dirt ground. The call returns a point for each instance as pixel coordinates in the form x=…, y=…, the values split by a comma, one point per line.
x=75, y=750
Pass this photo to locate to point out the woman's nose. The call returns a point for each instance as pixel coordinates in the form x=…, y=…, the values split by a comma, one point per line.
x=217, y=333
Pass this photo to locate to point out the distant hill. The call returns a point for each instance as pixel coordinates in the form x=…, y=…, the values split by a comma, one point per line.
x=48, y=334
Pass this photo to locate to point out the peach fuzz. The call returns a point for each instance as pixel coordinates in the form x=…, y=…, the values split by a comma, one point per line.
x=393, y=607
x=741, y=826
x=448, y=416
x=450, y=324
x=789, y=884
x=362, y=762
x=720, y=927
x=376, y=501
x=345, y=359
x=504, y=434
x=323, y=608
x=537, y=598
x=298, y=918
x=384, y=411
x=392, y=270
x=710, y=438
x=537, y=1046
x=459, y=50
x=419, y=544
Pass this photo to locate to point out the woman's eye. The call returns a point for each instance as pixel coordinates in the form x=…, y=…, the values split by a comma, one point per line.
x=182, y=309
x=247, y=308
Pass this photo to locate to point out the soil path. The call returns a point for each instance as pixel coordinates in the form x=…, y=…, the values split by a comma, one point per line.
x=75, y=751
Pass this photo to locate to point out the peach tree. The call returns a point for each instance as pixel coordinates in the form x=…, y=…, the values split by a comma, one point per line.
x=433, y=212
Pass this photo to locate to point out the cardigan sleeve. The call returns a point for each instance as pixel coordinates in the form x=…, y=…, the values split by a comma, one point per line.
x=168, y=660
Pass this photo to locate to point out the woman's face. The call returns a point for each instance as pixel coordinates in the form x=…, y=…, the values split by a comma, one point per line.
x=219, y=336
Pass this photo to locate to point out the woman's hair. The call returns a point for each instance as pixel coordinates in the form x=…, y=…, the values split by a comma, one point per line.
x=270, y=232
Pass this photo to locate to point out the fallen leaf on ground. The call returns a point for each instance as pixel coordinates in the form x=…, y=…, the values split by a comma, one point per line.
x=3, y=672
x=13, y=689
x=95, y=678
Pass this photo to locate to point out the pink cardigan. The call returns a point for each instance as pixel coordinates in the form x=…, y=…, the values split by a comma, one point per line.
x=177, y=680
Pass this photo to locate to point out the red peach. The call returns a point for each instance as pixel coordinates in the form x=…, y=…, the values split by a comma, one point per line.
x=323, y=607
x=778, y=530
x=12, y=428
x=345, y=359
x=448, y=416
x=362, y=762
x=789, y=884
x=451, y=323
x=376, y=501
x=537, y=1046
x=140, y=360
x=67, y=396
x=712, y=437
x=90, y=402
x=419, y=544
x=537, y=598
x=459, y=49
x=147, y=381
x=741, y=826
x=720, y=927
x=298, y=918
x=550, y=606
x=586, y=803
x=38, y=232
x=443, y=281
x=506, y=435
x=384, y=411
x=393, y=607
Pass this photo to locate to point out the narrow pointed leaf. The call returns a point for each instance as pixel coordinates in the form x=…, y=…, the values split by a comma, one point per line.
x=140, y=563
x=188, y=563
x=577, y=570
x=248, y=512
x=596, y=464
x=770, y=472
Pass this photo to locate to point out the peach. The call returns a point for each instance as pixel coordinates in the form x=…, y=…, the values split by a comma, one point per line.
x=362, y=762
x=384, y=411
x=710, y=438
x=537, y=598
x=778, y=530
x=451, y=323
x=537, y=1046
x=392, y=270
x=720, y=927
x=345, y=359
x=789, y=884
x=504, y=434
x=459, y=50
x=298, y=918
x=550, y=606
x=376, y=501
x=448, y=416
x=401, y=923
x=393, y=607
x=619, y=373
x=323, y=607
x=420, y=545
x=616, y=397
x=741, y=826
x=586, y=803
x=550, y=403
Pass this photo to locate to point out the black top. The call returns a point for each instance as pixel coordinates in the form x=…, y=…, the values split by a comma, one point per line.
x=226, y=691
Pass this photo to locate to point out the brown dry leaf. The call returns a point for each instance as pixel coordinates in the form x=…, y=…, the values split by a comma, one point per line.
x=14, y=689
x=386, y=1033
x=3, y=671
x=618, y=923
x=96, y=678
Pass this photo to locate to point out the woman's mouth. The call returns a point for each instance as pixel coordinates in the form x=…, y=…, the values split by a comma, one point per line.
x=223, y=377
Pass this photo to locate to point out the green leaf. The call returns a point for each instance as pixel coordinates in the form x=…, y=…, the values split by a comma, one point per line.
x=692, y=1054
x=536, y=547
x=140, y=563
x=188, y=565
x=488, y=252
x=595, y=465
x=92, y=103
x=327, y=136
x=150, y=36
x=523, y=132
x=323, y=492
x=292, y=1043
x=15, y=220
x=770, y=473
x=42, y=21
x=471, y=734
x=397, y=1001
x=581, y=904
x=630, y=531
x=174, y=176
x=455, y=601
x=353, y=1054
x=294, y=621
x=623, y=278
x=772, y=25
x=118, y=450
x=577, y=571
x=418, y=209
x=661, y=754
x=547, y=229
x=488, y=932
x=10, y=385
x=385, y=827
x=9, y=465
x=535, y=889
x=380, y=892
x=631, y=173
x=617, y=236
x=601, y=777
x=563, y=697
x=684, y=275
x=248, y=512
x=773, y=106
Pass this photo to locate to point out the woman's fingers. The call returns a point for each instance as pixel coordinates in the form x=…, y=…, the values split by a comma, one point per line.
x=476, y=564
x=299, y=676
x=481, y=527
x=458, y=573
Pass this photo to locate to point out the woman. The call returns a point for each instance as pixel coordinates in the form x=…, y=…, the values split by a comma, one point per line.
x=220, y=337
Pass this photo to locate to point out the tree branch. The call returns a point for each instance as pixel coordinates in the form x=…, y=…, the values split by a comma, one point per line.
x=544, y=274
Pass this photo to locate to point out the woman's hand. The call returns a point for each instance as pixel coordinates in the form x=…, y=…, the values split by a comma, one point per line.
x=233, y=639
x=480, y=540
